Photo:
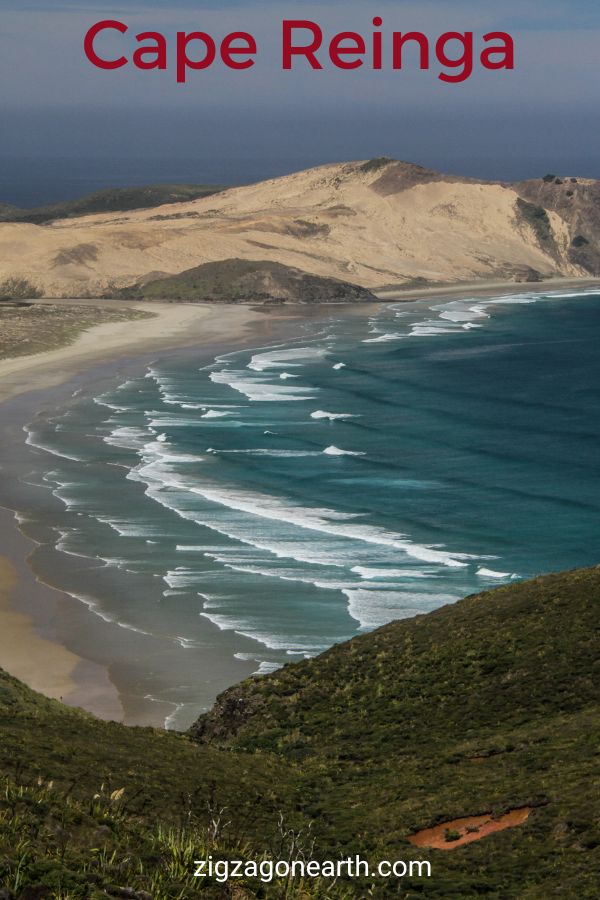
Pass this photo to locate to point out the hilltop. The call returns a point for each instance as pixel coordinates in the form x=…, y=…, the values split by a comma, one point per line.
x=375, y=224
x=109, y=200
x=486, y=707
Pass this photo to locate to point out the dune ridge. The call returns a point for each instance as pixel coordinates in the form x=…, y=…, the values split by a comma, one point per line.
x=376, y=224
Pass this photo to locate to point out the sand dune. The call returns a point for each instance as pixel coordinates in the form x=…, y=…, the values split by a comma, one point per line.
x=374, y=224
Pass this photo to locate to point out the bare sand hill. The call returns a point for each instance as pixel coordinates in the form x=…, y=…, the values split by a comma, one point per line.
x=374, y=224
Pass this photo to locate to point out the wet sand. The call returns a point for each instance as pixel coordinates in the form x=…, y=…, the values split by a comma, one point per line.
x=39, y=624
x=29, y=649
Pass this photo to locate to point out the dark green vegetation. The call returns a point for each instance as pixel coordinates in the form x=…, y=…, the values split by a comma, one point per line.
x=577, y=202
x=378, y=162
x=241, y=280
x=579, y=241
x=109, y=201
x=486, y=705
x=537, y=217
x=7, y=210
x=89, y=806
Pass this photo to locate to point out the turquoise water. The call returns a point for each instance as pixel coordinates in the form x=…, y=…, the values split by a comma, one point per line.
x=289, y=497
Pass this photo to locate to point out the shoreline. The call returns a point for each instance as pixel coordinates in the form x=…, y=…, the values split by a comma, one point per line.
x=57, y=662
x=30, y=648
x=480, y=289
x=171, y=326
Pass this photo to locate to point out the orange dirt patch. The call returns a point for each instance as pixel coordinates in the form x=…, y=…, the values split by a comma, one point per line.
x=469, y=829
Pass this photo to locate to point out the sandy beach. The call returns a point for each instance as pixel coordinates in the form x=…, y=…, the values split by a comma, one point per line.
x=46, y=666
x=31, y=648
x=170, y=325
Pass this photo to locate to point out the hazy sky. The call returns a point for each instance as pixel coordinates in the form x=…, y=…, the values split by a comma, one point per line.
x=54, y=103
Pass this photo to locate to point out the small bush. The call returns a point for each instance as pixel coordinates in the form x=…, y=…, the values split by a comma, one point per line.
x=451, y=835
x=537, y=218
x=18, y=289
x=579, y=241
x=373, y=165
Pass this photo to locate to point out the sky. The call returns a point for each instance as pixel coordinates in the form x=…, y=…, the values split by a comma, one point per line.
x=543, y=116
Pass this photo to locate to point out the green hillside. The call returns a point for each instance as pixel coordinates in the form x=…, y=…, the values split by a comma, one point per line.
x=243, y=280
x=482, y=707
x=109, y=201
x=60, y=829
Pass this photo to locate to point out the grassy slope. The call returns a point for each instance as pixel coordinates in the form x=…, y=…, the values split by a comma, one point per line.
x=370, y=741
x=110, y=200
x=72, y=835
x=238, y=280
x=386, y=726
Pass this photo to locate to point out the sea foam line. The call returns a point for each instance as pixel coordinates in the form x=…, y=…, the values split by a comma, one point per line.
x=324, y=521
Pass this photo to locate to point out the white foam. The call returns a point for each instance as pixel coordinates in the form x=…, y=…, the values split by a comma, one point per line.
x=266, y=451
x=375, y=608
x=261, y=389
x=366, y=572
x=170, y=720
x=186, y=643
x=337, y=451
x=323, y=414
x=128, y=437
x=482, y=572
x=182, y=578
x=339, y=366
x=262, y=506
x=384, y=338
x=103, y=401
x=33, y=440
x=215, y=414
x=276, y=359
x=462, y=311
x=265, y=668
x=159, y=419
x=429, y=328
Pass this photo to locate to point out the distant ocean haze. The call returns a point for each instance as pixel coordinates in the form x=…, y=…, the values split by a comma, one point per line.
x=277, y=500
x=28, y=182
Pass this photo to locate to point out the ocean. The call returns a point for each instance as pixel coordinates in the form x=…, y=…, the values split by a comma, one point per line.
x=29, y=181
x=264, y=505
